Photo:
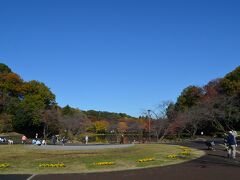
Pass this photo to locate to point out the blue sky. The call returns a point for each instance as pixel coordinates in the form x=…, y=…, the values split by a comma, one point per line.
x=119, y=55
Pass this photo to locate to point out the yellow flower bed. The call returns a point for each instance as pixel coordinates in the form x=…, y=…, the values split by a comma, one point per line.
x=185, y=153
x=4, y=165
x=145, y=160
x=57, y=165
x=171, y=156
x=103, y=163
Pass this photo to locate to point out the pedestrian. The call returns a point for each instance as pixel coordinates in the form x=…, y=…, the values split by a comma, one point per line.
x=24, y=139
x=54, y=139
x=44, y=142
x=63, y=140
x=86, y=139
x=122, y=139
x=232, y=144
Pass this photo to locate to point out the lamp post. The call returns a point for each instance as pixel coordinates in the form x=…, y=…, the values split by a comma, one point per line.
x=149, y=137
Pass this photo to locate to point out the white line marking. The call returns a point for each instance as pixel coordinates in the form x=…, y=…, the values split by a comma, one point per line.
x=31, y=177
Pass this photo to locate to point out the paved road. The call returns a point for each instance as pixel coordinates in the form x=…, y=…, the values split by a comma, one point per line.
x=213, y=166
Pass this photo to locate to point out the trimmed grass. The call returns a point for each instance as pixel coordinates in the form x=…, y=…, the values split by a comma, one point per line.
x=23, y=159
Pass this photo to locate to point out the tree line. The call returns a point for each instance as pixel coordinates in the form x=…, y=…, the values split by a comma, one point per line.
x=31, y=107
x=213, y=108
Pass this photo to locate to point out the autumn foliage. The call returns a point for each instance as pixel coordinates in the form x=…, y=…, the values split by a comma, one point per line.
x=30, y=106
x=212, y=108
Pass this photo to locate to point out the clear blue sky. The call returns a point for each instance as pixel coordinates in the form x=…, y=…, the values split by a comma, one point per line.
x=119, y=55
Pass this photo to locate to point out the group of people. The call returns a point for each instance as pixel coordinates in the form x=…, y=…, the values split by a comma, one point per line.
x=39, y=142
x=54, y=140
x=35, y=141
x=3, y=139
x=230, y=143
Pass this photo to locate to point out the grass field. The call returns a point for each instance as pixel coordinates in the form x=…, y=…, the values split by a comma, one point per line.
x=23, y=159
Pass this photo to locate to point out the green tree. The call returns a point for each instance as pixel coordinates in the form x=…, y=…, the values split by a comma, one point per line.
x=68, y=111
x=4, y=69
x=42, y=91
x=28, y=115
x=189, y=97
x=231, y=82
x=5, y=123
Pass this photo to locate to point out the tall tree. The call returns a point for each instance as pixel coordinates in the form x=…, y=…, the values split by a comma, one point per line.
x=51, y=121
x=5, y=123
x=188, y=98
x=75, y=123
x=231, y=82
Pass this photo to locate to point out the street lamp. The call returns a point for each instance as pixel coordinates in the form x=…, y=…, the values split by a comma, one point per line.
x=149, y=137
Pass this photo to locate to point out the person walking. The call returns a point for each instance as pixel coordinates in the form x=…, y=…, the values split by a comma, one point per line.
x=122, y=139
x=54, y=139
x=24, y=139
x=64, y=140
x=44, y=142
x=86, y=139
x=232, y=144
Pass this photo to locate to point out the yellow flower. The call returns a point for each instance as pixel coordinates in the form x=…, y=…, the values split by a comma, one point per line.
x=4, y=165
x=51, y=165
x=172, y=156
x=145, y=160
x=103, y=163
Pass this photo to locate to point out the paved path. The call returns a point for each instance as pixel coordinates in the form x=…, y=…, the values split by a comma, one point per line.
x=213, y=166
x=82, y=147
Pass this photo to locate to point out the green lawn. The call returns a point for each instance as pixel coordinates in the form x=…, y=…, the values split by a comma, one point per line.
x=23, y=159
